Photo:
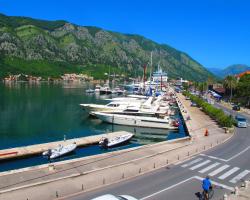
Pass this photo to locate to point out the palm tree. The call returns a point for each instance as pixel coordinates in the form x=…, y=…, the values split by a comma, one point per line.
x=210, y=81
x=196, y=85
x=230, y=82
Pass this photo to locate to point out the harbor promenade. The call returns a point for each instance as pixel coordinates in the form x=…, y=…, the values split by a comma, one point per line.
x=70, y=177
x=39, y=148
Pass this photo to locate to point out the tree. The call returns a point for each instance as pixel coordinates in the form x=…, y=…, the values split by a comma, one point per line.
x=230, y=82
x=210, y=81
x=243, y=90
x=202, y=87
x=196, y=85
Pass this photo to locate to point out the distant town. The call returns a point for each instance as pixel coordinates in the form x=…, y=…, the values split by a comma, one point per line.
x=31, y=78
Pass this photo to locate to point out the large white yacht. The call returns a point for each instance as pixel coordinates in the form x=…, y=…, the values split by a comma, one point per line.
x=140, y=119
x=158, y=77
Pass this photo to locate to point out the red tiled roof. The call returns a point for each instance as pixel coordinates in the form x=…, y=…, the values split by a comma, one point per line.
x=219, y=90
x=242, y=74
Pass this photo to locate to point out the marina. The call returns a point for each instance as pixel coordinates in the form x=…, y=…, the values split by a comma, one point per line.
x=68, y=124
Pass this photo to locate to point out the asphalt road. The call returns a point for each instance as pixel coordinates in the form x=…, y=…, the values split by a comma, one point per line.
x=227, y=165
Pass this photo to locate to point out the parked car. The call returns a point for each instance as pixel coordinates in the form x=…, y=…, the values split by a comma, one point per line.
x=113, y=197
x=236, y=107
x=193, y=104
x=241, y=121
x=187, y=98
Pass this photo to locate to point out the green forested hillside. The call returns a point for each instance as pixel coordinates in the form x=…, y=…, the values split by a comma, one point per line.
x=51, y=48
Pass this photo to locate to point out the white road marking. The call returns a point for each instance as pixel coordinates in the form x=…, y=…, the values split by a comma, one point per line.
x=172, y=186
x=213, y=157
x=238, y=154
x=200, y=165
x=217, y=171
x=228, y=173
x=192, y=162
x=186, y=180
x=239, y=176
x=209, y=167
x=217, y=184
x=226, y=160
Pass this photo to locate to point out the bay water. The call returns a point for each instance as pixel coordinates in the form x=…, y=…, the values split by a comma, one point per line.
x=45, y=112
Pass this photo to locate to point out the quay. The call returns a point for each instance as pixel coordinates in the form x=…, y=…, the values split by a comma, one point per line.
x=39, y=148
x=63, y=179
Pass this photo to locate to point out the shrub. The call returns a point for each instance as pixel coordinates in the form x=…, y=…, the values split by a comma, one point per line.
x=215, y=113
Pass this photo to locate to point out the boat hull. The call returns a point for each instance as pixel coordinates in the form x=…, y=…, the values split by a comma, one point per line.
x=134, y=121
x=69, y=149
x=105, y=92
x=116, y=141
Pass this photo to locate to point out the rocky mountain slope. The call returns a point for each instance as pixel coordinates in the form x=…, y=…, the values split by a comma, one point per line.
x=51, y=48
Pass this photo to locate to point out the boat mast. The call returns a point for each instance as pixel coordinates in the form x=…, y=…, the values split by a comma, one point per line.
x=109, y=74
x=151, y=64
x=144, y=76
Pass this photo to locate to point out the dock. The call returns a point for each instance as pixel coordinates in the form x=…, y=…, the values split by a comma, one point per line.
x=39, y=148
x=185, y=114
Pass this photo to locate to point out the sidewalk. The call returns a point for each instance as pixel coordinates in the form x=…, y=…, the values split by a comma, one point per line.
x=93, y=172
x=243, y=193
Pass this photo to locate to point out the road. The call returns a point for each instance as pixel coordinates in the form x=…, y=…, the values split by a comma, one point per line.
x=227, y=165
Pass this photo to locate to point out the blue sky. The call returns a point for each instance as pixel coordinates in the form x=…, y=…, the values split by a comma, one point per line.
x=216, y=33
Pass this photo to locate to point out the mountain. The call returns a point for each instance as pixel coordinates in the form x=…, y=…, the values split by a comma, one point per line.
x=217, y=72
x=234, y=69
x=51, y=48
x=230, y=70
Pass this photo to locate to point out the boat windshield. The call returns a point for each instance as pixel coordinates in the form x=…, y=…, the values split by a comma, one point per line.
x=113, y=105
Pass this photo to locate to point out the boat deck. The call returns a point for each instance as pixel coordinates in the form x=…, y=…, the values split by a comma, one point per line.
x=39, y=148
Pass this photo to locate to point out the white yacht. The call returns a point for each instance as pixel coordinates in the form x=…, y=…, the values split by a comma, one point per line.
x=158, y=77
x=112, y=106
x=140, y=119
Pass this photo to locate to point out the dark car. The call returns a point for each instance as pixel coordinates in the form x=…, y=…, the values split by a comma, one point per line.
x=236, y=107
x=193, y=104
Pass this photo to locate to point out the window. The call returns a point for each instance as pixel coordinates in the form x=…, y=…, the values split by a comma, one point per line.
x=121, y=198
x=241, y=119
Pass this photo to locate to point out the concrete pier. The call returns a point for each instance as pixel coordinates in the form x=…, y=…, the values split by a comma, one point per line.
x=39, y=148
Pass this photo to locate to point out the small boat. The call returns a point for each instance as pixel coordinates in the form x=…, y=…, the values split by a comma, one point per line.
x=90, y=91
x=97, y=88
x=50, y=151
x=108, y=143
x=105, y=90
x=118, y=91
x=60, y=151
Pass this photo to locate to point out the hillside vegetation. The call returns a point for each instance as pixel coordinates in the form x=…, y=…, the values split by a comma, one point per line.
x=51, y=48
